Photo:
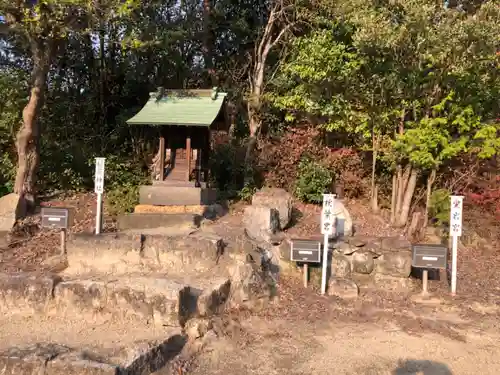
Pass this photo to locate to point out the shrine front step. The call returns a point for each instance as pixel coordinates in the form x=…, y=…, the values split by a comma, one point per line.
x=181, y=221
x=159, y=195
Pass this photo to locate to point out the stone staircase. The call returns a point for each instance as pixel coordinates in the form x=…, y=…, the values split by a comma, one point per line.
x=121, y=306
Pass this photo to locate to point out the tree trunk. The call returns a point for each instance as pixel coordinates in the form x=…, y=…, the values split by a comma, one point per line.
x=404, y=178
x=374, y=190
x=254, y=126
x=208, y=44
x=394, y=196
x=28, y=136
x=270, y=37
x=430, y=182
x=410, y=185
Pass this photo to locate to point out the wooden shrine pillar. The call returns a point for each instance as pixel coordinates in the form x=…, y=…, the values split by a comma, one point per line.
x=206, y=163
x=188, y=153
x=162, y=155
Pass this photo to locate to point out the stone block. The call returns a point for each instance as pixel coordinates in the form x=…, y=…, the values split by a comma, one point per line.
x=395, y=243
x=276, y=199
x=343, y=288
x=197, y=251
x=25, y=291
x=397, y=264
x=213, y=300
x=157, y=220
x=261, y=223
x=30, y=360
x=145, y=298
x=341, y=266
x=249, y=286
x=81, y=295
x=79, y=363
x=344, y=224
x=107, y=252
x=362, y=262
x=12, y=207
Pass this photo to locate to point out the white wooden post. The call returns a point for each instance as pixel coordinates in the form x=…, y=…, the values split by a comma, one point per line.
x=455, y=232
x=327, y=229
x=99, y=190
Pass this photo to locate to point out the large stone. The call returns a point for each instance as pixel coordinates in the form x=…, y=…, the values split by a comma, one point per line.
x=52, y=359
x=26, y=292
x=343, y=288
x=12, y=207
x=395, y=243
x=198, y=251
x=261, y=223
x=30, y=360
x=250, y=287
x=362, y=262
x=284, y=250
x=79, y=363
x=344, y=224
x=277, y=199
x=344, y=248
x=341, y=267
x=106, y=252
x=397, y=264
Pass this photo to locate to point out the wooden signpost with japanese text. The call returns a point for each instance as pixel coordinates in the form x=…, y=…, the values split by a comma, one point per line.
x=99, y=190
x=327, y=229
x=455, y=232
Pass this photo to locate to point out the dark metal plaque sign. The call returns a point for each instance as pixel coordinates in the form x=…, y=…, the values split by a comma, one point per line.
x=307, y=251
x=55, y=217
x=430, y=256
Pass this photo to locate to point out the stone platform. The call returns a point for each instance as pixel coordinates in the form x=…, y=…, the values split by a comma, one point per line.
x=126, y=304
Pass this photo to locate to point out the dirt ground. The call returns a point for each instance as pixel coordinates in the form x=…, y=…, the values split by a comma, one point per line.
x=305, y=333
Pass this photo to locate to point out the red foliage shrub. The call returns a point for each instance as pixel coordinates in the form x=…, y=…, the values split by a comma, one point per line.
x=279, y=159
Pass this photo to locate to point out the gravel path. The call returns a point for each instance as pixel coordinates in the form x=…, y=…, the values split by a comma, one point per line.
x=279, y=347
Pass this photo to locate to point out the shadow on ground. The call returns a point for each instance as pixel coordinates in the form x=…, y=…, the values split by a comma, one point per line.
x=421, y=367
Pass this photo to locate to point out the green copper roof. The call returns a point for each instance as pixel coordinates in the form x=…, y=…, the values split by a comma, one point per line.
x=187, y=108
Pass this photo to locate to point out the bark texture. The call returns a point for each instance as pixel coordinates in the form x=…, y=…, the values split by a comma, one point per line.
x=28, y=135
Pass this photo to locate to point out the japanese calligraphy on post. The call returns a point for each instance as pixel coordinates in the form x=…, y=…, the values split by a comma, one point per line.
x=99, y=175
x=456, y=216
x=327, y=214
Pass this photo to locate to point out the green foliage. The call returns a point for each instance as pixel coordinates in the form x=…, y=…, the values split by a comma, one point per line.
x=227, y=169
x=439, y=207
x=447, y=132
x=313, y=181
x=12, y=86
x=123, y=179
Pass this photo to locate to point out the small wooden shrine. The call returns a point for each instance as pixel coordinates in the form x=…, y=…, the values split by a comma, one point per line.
x=185, y=120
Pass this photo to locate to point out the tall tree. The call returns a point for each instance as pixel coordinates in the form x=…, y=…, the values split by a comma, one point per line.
x=44, y=26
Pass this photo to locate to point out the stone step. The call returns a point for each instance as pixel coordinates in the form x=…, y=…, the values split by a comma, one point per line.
x=158, y=300
x=110, y=350
x=145, y=221
x=123, y=253
x=176, y=195
x=151, y=299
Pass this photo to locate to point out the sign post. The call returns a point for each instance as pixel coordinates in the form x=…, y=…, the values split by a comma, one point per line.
x=327, y=229
x=427, y=256
x=455, y=232
x=305, y=251
x=99, y=190
x=57, y=218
